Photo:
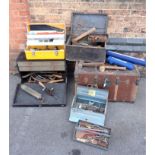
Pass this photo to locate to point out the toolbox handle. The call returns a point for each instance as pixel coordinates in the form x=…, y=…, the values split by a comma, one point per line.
x=92, y=85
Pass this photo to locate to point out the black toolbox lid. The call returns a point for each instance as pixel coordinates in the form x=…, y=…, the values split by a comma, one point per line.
x=82, y=22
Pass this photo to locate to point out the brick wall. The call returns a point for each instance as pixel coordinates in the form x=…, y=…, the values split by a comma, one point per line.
x=19, y=17
x=126, y=17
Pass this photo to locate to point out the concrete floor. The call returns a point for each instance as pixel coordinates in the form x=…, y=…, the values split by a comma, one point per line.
x=47, y=131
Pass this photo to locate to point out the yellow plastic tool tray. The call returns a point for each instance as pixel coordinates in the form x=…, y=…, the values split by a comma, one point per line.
x=45, y=53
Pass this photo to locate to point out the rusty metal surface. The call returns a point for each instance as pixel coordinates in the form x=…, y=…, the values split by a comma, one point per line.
x=94, y=38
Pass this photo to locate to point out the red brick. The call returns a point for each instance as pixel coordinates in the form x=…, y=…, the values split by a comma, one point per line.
x=24, y=13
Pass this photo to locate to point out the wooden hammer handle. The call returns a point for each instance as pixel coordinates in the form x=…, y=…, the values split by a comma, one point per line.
x=84, y=34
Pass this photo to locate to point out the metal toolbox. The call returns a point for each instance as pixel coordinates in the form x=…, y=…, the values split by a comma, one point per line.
x=89, y=104
x=122, y=85
x=92, y=134
x=80, y=23
x=45, y=41
x=41, y=78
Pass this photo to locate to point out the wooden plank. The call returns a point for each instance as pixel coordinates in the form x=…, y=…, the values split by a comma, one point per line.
x=126, y=48
x=40, y=63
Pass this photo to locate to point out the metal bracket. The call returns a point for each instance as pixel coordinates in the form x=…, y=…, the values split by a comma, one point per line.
x=106, y=83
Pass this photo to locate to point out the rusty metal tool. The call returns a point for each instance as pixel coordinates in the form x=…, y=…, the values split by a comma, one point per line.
x=31, y=92
x=47, y=90
x=97, y=38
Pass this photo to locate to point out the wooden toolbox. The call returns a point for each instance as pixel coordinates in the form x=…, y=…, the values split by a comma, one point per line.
x=85, y=49
x=122, y=85
x=45, y=41
x=92, y=134
x=52, y=74
x=89, y=104
x=39, y=65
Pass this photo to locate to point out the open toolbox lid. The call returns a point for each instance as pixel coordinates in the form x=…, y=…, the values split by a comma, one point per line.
x=23, y=99
x=82, y=22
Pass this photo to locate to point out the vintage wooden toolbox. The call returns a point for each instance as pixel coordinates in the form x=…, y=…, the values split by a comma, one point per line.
x=92, y=134
x=80, y=23
x=39, y=65
x=45, y=41
x=52, y=74
x=122, y=85
x=89, y=104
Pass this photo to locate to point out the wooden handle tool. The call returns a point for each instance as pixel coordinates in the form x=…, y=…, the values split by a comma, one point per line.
x=84, y=35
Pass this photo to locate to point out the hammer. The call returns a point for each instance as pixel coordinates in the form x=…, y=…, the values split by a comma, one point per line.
x=47, y=90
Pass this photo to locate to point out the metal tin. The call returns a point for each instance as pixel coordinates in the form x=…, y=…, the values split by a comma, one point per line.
x=85, y=132
x=89, y=104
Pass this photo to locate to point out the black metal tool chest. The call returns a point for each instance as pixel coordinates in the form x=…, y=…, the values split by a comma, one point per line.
x=30, y=71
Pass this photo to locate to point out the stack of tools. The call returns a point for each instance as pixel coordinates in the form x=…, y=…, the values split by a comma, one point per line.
x=100, y=76
x=42, y=67
x=86, y=45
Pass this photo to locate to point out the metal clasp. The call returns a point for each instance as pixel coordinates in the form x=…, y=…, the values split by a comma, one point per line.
x=106, y=83
x=56, y=52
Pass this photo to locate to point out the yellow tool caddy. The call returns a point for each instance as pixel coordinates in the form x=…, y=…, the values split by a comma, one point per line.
x=45, y=41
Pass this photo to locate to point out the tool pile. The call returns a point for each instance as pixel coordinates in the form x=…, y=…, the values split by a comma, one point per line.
x=44, y=77
x=42, y=67
x=100, y=75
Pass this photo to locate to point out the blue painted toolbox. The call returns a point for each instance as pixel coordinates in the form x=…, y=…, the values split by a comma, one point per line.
x=89, y=104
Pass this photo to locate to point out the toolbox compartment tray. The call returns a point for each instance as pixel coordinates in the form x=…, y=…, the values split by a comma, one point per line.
x=22, y=99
